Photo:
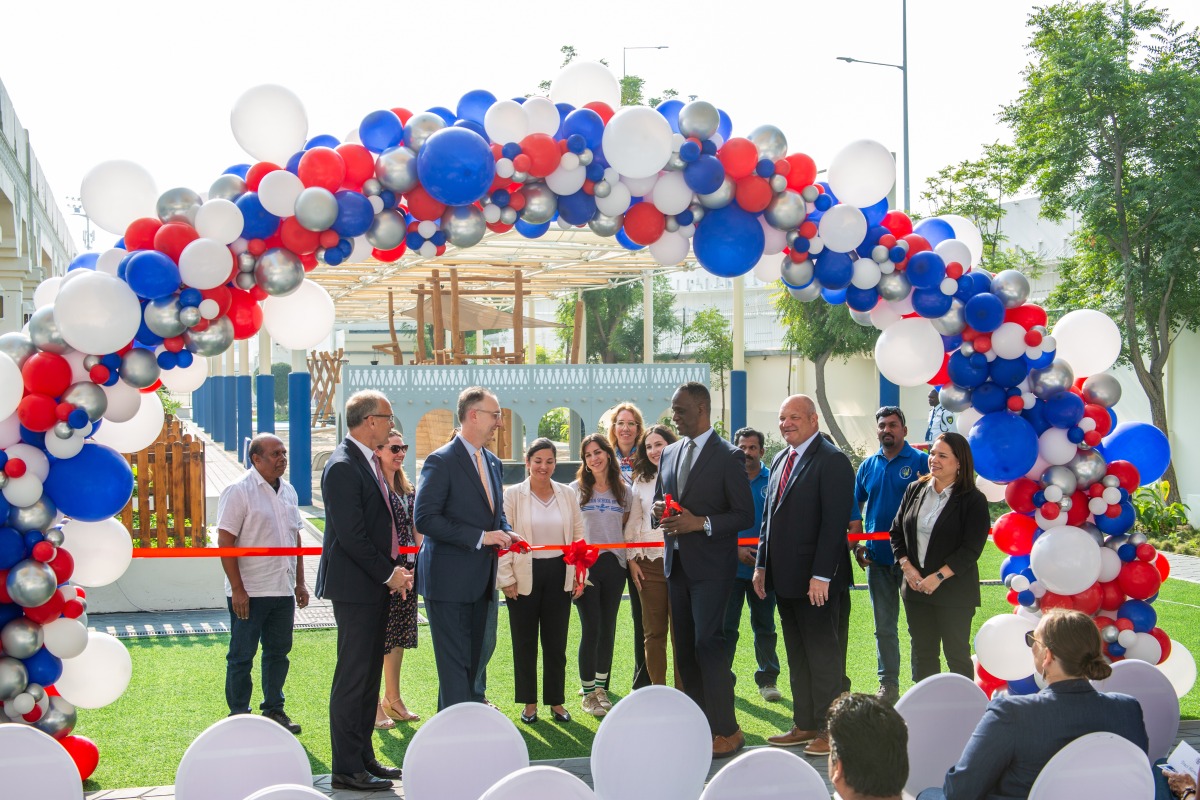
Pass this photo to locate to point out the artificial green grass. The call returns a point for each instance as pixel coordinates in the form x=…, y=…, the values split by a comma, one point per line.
x=178, y=689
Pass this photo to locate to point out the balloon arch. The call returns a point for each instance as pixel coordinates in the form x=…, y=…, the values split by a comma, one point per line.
x=193, y=273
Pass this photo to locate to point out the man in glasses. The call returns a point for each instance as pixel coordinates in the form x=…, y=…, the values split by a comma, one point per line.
x=358, y=571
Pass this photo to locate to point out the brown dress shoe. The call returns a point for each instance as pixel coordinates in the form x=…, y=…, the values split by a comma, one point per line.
x=725, y=746
x=818, y=746
x=792, y=738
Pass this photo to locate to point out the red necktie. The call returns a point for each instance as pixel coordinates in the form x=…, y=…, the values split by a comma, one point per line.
x=387, y=498
x=787, y=473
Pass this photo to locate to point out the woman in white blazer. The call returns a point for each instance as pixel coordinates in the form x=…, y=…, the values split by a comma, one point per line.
x=538, y=586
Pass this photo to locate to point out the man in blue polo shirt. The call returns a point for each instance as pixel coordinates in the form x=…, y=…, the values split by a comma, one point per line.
x=762, y=612
x=880, y=483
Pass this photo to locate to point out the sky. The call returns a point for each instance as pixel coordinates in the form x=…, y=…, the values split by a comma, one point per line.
x=155, y=82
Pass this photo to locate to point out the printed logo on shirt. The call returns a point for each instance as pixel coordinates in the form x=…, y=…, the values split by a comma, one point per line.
x=906, y=472
x=603, y=505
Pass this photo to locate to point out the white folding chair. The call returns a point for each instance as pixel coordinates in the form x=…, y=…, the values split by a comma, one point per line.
x=941, y=713
x=1153, y=690
x=33, y=764
x=1096, y=765
x=539, y=781
x=239, y=755
x=460, y=752
x=654, y=744
x=767, y=774
x=287, y=791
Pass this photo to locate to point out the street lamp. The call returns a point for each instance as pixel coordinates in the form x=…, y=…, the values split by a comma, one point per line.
x=89, y=235
x=625, y=50
x=903, y=67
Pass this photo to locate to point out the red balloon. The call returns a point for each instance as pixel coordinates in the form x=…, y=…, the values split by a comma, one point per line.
x=36, y=412
x=42, y=551
x=1050, y=510
x=173, y=237
x=15, y=468
x=1139, y=580
x=245, y=314
x=297, y=238
x=221, y=294
x=360, y=164
x=63, y=565
x=328, y=238
x=256, y=173
x=48, y=611
x=603, y=109
x=1163, y=566
x=1078, y=512
x=943, y=374
x=499, y=227
x=389, y=256
x=1051, y=600
x=753, y=193
x=173, y=344
x=808, y=229
x=1015, y=404
x=1019, y=494
x=72, y=609
x=1124, y=624
x=739, y=157
x=1013, y=533
x=1088, y=601
x=1164, y=642
x=1102, y=621
x=308, y=261
x=1112, y=596
x=403, y=113
x=83, y=752
x=1012, y=597
x=803, y=171
x=323, y=167
x=46, y=373
x=543, y=153
x=644, y=224
x=258, y=293
x=1100, y=415
x=1126, y=473
x=1027, y=315
x=1146, y=552
x=98, y=373
x=139, y=234
x=897, y=223
x=422, y=206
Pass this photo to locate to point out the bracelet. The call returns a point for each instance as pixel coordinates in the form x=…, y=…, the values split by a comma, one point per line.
x=1188, y=792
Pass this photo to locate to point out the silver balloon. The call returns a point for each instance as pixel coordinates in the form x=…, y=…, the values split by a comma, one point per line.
x=1088, y=466
x=55, y=536
x=59, y=719
x=721, y=197
x=861, y=317
x=279, y=272
x=796, y=275
x=508, y=216
x=396, y=169
x=1011, y=287
x=785, y=211
x=1102, y=389
x=604, y=225
x=178, y=205
x=778, y=183
x=139, y=368
x=30, y=584
x=17, y=346
x=586, y=157
x=675, y=163
x=602, y=189
x=808, y=293
x=894, y=286
x=244, y=281
x=63, y=430
x=1110, y=633
x=162, y=317
x=90, y=361
x=213, y=340
x=246, y=262
x=372, y=187
x=13, y=677
x=464, y=226
x=810, y=193
x=698, y=211
x=316, y=208
x=672, y=224
x=1056, y=378
x=420, y=127
x=35, y=517
x=1091, y=530
x=700, y=119
x=189, y=316
x=952, y=322
x=227, y=187
x=520, y=177
x=540, y=203
x=388, y=229
x=770, y=141
x=1062, y=477
x=3, y=480
x=954, y=397
x=1137, y=538
x=44, y=332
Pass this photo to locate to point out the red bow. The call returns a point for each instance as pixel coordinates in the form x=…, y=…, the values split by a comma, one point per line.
x=520, y=546
x=670, y=507
x=582, y=555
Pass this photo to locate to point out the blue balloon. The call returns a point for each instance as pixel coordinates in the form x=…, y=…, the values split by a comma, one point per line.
x=1008, y=372
x=984, y=312
x=931, y=303
x=1140, y=613
x=1118, y=524
x=184, y=358
x=875, y=232
x=862, y=299
x=190, y=297
x=708, y=147
x=147, y=337
x=12, y=547
x=1116, y=650
x=876, y=213
x=322, y=140
x=934, y=230
x=380, y=130
x=237, y=169
x=563, y=110
x=704, y=175
x=472, y=126
x=833, y=270
x=964, y=372
x=586, y=123
x=725, y=126
x=988, y=398
x=152, y=274
x=670, y=111
x=258, y=223
x=456, y=166
x=166, y=360
x=446, y=114
x=689, y=151
x=1042, y=361
x=1024, y=686
x=1142, y=445
x=531, y=231
x=578, y=208
x=626, y=242
x=1064, y=410
x=729, y=241
x=474, y=105
x=293, y=163
x=1013, y=565
x=835, y=297
x=93, y=485
x=84, y=261
x=43, y=667
x=823, y=203
x=951, y=343
x=926, y=270
x=1004, y=446
x=9, y=612
x=355, y=214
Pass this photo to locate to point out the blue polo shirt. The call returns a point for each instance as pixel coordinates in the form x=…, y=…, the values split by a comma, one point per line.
x=880, y=484
x=758, y=488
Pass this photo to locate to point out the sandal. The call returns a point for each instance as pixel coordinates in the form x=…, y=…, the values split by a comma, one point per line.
x=382, y=721
x=401, y=715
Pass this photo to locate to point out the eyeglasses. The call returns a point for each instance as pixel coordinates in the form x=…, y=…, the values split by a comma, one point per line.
x=496, y=414
x=1029, y=640
x=395, y=448
x=389, y=417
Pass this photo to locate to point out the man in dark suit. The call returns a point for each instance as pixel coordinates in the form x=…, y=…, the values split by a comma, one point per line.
x=802, y=555
x=706, y=476
x=357, y=572
x=460, y=512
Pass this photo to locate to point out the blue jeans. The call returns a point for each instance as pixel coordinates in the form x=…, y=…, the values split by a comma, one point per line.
x=270, y=621
x=762, y=622
x=883, y=584
x=489, y=647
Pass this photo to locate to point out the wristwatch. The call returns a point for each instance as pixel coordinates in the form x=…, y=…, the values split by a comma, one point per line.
x=707, y=526
x=940, y=576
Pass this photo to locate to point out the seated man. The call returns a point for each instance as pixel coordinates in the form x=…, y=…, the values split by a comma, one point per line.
x=868, y=748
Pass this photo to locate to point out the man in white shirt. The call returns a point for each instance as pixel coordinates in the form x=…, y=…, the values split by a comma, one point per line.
x=261, y=510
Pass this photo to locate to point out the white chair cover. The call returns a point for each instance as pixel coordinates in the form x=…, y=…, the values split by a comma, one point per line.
x=1153, y=689
x=539, y=781
x=34, y=764
x=941, y=713
x=239, y=755
x=460, y=752
x=654, y=744
x=287, y=791
x=767, y=774
x=1096, y=765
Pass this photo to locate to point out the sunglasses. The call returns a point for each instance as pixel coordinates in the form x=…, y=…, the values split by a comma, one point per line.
x=1029, y=640
x=395, y=448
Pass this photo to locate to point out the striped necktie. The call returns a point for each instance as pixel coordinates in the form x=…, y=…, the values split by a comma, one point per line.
x=788, y=466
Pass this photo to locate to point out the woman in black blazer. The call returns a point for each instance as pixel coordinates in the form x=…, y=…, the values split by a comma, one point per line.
x=937, y=538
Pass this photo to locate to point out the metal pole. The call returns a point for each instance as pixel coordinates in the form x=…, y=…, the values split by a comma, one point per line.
x=904, y=70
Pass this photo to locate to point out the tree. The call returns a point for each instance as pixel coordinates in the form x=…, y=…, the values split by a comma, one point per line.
x=818, y=332
x=710, y=330
x=279, y=372
x=1106, y=127
x=613, y=317
x=632, y=86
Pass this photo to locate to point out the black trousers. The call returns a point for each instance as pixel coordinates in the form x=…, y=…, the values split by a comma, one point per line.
x=546, y=613
x=640, y=676
x=598, y=607
x=844, y=633
x=355, y=690
x=458, y=631
x=934, y=629
x=814, y=654
x=698, y=610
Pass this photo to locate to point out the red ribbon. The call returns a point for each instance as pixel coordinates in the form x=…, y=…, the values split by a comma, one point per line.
x=582, y=555
x=520, y=546
x=670, y=507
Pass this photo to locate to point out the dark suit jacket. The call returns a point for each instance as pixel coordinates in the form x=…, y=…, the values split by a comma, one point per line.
x=716, y=488
x=452, y=513
x=1019, y=734
x=958, y=539
x=804, y=530
x=356, y=552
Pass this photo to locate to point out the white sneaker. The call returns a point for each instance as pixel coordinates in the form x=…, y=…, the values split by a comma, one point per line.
x=591, y=704
x=602, y=698
x=770, y=693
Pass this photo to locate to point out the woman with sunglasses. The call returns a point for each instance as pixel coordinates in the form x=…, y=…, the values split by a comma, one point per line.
x=401, y=632
x=1020, y=733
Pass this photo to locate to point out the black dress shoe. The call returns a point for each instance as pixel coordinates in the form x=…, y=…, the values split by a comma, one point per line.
x=382, y=771
x=563, y=717
x=284, y=720
x=362, y=781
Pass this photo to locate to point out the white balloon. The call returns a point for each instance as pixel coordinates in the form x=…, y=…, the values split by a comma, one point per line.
x=1088, y=340
x=866, y=274
x=542, y=115
x=967, y=419
x=97, y=676
x=300, y=320
x=640, y=187
x=360, y=252
x=617, y=201
x=65, y=448
x=79, y=372
x=672, y=195
x=110, y=260
x=994, y=492
x=123, y=402
x=862, y=173
x=767, y=269
x=10, y=426
x=1055, y=447
x=1066, y=559
x=220, y=220
x=966, y=232
x=842, y=228
x=670, y=249
x=278, y=191
x=1145, y=648
x=505, y=122
x=883, y=316
x=64, y=637
x=12, y=387
x=209, y=308
x=1180, y=669
x=35, y=460
x=186, y=379
x=46, y=291
x=565, y=181
x=774, y=240
x=102, y=550
x=115, y=193
x=205, y=263
x=583, y=82
x=637, y=141
x=952, y=250
x=1008, y=341
x=97, y=313
x=909, y=352
x=138, y=432
x=269, y=122
x=1000, y=645
x=23, y=491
